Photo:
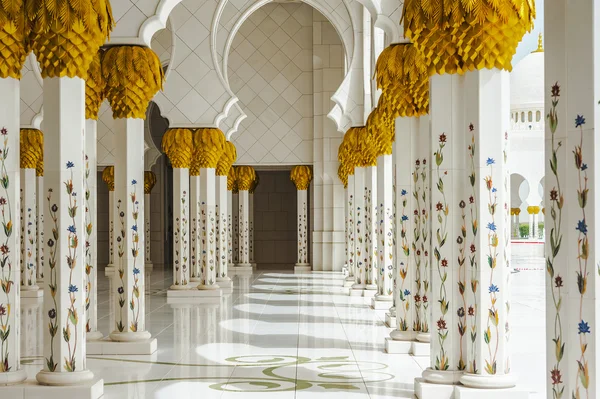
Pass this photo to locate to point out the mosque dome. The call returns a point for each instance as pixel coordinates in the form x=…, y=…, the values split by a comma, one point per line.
x=527, y=80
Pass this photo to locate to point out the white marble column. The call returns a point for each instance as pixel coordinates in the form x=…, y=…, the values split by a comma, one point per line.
x=64, y=291
x=195, y=227
x=371, y=229
x=108, y=176
x=91, y=239
x=302, y=176
x=350, y=230
x=385, y=233
x=129, y=241
x=207, y=229
x=230, y=263
x=10, y=279
x=570, y=199
x=149, y=183
x=245, y=176
x=223, y=231
x=243, y=229
x=28, y=206
x=181, y=229
x=178, y=145
x=360, y=239
x=448, y=355
x=251, y=227
x=235, y=204
x=40, y=223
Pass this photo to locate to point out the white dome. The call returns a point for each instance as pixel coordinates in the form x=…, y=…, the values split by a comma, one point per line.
x=527, y=81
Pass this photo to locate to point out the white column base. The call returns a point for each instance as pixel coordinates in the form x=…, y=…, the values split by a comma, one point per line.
x=108, y=347
x=30, y=390
x=369, y=293
x=420, y=349
x=461, y=392
x=390, y=320
x=93, y=336
x=479, y=381
x=34, y=293
x=424, y=337
x=442, y=377
x=398, y=335
x=397, y=347
x=64, y=379
x=213, y=287
x=372, y=287
x=181, y=287
x=196, y=279
x=243, y=267
x=194, y=293
x=10, y=378
x=380, y=304
x=356, y=291
x=224, y=282
x=427, y=390
x=253, y=264
x=116, y=336
x=349, y=282
x=302, y=268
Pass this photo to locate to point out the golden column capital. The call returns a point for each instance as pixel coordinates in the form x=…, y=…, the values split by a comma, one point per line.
x=149, y=181
x=94, y=87
x=209, y=145
x=402, y=76
x=178, y=145
x=365, y=149
x=39, y=168
x=350, y=147
x=533, y=210
x=32, y=148
x=383, y=134
x=13, y=38
x=232, y=180
x=343, y=174
x=458, y=36
x=227, y=159
x=65, y=46
x=108, y=177
x=133, y=75
x=245, y=176
x=254, y=184
x=301, y=176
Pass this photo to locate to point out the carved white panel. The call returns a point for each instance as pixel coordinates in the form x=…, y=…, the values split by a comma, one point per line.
x=270, y=71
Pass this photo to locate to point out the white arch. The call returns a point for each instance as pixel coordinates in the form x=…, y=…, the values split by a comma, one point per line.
x=156, y=22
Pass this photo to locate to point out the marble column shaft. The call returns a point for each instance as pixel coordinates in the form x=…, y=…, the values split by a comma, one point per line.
x=235, y=203
x=244, y=220
x=40, y=227
x=64, y=288
x=385, y=224
x=181, y=229
x=28, y=230
x=10, y=278
x=91, y=221
x=207, y=229
x=130, y=240
x=195, y=227
x=350, y=228
x=371, y=227
x=222, y=229
x=302, y=223
x=360, y=229
x=570, y=199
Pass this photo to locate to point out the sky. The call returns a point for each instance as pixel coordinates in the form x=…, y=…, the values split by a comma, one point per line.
x=530, y=40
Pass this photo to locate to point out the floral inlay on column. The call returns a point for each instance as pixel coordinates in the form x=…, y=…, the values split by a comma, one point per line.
x=88, y=251
x=403, y=292
x=420, y=235
x=442, y=210
x=7, y=280
x=491, y=336
x=134, y=305
x=555, y=240
x=473, y=317
x=582, y=272
x=302, y=176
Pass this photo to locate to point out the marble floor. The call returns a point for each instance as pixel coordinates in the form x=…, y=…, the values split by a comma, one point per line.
x=280, y=335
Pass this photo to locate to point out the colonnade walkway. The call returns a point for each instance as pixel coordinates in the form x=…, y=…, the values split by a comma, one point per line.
x=282, y=335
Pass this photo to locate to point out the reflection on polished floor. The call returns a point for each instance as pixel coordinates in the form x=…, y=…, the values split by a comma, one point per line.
x=279, y=335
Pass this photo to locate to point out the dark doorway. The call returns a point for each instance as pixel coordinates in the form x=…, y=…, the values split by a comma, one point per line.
x=275, y=221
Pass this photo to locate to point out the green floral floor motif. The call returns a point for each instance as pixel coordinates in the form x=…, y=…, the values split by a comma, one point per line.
x=335, y=373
